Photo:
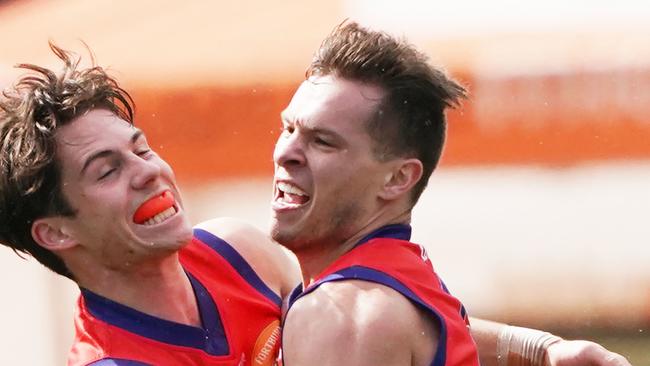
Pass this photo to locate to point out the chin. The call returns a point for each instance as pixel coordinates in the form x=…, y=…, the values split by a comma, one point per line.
x=185, y=237
x=172, y=242
x=283, y=238
x=181, y=242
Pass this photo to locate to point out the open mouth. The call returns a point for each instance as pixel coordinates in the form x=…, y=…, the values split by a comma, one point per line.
x=156, y=209
x=290, y=195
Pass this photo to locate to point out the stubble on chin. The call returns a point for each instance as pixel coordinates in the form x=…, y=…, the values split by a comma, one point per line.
x=331, y=231
x=282, y=237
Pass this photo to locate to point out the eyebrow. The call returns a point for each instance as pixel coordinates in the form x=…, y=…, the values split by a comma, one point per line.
x=319, y=130
x=104, y=153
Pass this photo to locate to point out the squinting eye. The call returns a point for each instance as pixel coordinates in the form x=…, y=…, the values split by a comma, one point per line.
x=143, y=153
x=105, y=175
x=322, y=142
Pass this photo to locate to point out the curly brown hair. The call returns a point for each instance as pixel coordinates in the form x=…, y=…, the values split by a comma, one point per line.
x=410, y=121
x=31, y=111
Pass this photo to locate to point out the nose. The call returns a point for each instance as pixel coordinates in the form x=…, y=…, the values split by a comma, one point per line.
x=289, y=151
x=145, y=172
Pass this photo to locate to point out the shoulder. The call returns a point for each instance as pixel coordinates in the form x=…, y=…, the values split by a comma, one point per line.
x=274, y=264
x=229, y=228
x=360, y=323
x=360, y=305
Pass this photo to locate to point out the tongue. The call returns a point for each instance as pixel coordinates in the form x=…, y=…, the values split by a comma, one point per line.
x=295, y=198
x=153, y=207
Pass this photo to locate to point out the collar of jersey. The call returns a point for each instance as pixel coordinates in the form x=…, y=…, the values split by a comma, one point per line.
x=210, y=337
x=395, y=231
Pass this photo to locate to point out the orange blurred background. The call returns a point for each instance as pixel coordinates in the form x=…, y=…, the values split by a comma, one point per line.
x=537, y=212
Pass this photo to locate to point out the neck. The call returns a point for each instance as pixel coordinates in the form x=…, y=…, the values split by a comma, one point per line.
x=315, y=259
x=142, y=289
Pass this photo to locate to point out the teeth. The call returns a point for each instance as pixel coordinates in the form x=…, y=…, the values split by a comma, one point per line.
x=289, y=188
x=161, y=216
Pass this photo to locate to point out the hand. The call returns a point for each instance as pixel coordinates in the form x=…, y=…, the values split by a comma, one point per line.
x=582, y=353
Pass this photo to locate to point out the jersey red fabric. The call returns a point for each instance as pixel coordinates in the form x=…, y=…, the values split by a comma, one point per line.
x=239, y=313
x=387, y=257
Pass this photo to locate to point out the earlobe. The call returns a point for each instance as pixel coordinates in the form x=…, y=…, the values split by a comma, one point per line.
x=401, y=179
x=51, y=234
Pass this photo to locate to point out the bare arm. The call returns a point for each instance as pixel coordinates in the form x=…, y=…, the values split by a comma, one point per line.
x=357, y=323
x=501, y=345
x=485, y=334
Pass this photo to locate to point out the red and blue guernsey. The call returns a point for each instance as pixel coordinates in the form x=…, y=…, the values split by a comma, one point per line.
x=386, y=256
x=239, y=314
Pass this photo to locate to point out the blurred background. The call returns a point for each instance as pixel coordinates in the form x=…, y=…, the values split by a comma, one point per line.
x=536, y=214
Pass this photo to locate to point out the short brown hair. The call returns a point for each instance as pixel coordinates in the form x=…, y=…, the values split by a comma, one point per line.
x=30, y=113
x=410, y=121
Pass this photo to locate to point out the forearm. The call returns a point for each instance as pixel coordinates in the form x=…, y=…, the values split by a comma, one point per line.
x=485, y=334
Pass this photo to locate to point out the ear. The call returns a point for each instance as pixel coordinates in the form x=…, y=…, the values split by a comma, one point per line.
x=401, y=179
x=51, y=234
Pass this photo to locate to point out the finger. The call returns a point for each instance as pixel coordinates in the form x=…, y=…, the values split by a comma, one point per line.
x=617, y=360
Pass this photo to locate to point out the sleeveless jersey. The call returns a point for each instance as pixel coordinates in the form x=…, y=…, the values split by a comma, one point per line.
x=239, y=314
x=388, y=258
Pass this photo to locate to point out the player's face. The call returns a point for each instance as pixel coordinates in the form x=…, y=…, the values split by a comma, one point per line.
x=326, y=176
x=127, y=202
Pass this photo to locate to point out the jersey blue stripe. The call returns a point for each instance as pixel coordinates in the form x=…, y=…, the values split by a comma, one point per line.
x=117, y=362
x=238, y=262
x=216, y=342
x=395, y=231
x=463, y=312
x=295, y=294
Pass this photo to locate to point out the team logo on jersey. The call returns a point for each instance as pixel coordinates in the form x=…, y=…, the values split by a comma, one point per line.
x=267, y=345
